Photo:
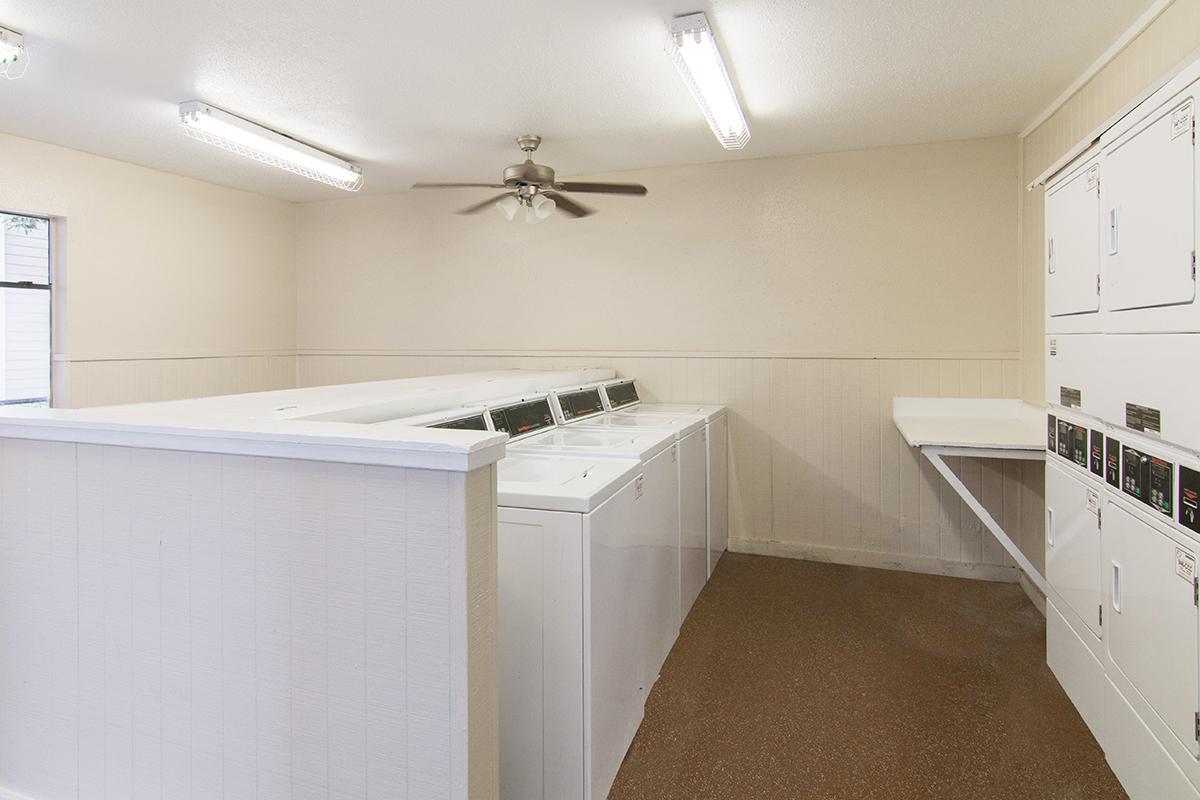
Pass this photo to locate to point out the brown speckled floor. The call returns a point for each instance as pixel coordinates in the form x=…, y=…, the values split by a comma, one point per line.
x=793, y=679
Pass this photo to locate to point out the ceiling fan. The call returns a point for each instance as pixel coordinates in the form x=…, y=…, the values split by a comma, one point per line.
x=533, y=186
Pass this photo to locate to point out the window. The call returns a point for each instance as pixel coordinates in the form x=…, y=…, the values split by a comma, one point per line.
x=24, y=310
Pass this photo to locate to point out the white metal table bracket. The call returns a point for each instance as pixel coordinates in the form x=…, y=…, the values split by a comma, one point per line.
x=935, y=454
x=975, y=428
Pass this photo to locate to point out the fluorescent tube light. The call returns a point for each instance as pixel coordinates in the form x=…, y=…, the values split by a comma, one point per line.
x=13, y=56
x=220, y=128
x=694, y=51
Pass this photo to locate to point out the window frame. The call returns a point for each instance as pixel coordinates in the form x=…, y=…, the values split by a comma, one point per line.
x=47, y=287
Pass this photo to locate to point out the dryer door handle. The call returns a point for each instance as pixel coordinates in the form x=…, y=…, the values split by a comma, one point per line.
x=1116, y=587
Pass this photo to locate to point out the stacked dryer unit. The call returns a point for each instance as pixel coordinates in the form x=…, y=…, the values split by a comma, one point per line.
x=1123, y=441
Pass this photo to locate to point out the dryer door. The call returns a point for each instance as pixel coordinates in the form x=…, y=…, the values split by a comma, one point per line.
x=1073, y=542
x=1148, y=215
x=1150, y=617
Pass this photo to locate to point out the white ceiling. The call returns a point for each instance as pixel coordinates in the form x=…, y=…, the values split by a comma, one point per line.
x=416, y=90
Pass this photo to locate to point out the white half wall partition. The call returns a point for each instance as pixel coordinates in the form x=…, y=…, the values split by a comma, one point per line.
x=210, y=605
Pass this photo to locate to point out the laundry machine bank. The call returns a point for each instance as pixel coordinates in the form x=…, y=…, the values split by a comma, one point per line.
x=1123, y=441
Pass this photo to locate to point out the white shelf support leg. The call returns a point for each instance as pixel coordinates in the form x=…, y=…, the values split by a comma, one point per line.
x=935, y=457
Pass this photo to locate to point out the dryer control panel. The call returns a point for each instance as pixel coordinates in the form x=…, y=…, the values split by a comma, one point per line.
x=1073, y=442
x=1051, y=433
x=1096, y=453
x=523, y=418
x=1112, y=462
x=1189, y=499
x=1149, y=479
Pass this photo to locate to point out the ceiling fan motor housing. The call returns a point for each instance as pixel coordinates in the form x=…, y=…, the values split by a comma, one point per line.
x=528, y=173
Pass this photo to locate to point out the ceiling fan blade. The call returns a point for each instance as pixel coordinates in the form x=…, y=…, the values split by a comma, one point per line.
x=602, y=188
x=458, y=186
x=568, y=205
x=475, y=209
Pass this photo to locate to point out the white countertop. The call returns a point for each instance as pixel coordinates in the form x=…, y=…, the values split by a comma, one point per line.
x=987, y=424
x=273, y=424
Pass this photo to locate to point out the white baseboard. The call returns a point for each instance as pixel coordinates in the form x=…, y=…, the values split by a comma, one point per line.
x=866, y=558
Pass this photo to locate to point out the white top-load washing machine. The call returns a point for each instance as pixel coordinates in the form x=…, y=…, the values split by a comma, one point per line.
x=622, y=395
x=571, y=604
x=692, y=476
x=652, y=569
x=571, y=693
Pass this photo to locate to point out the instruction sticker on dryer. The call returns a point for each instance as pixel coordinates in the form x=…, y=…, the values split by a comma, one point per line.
x=1093, y=501
x=1181, y=120
x=1093, y=178
x=1185, y=564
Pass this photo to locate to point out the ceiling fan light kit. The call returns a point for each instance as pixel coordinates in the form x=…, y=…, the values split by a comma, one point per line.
x=693, y=49
x=535, y=188
x=14, y=58
x=211, y=125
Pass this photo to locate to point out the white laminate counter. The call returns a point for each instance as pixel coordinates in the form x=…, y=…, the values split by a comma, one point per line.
x=323, y=423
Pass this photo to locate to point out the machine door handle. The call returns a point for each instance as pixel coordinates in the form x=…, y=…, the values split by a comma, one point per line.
x=1116, y=587
x=1049, y=527
x=1112, y=231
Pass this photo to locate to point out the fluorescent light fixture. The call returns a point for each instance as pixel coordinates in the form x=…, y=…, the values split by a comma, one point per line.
x=13, y=56
x=220, y=128
x=694, y=51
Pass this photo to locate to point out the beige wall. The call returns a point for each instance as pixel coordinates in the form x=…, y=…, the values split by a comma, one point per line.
x=906, y=250
x=155, y=266
x=804, y=293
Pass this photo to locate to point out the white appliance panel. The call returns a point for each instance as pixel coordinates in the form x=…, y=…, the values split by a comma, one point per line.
x=1073, y=249
x=1077, y=376
x=718, y=490
x=1160, y=372
x=1145, y=769
x=541, y=652
x=1150, y=618
x=1073, y=543
x=1148, y=229
x=1076, y=667
x=693, y=519
x=657, y=570
x=616, y=611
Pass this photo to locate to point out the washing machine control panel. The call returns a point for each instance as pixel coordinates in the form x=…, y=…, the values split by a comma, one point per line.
x=521, y=418
x=576, y=405
x=475, y=422
x=1149, y=479
x=621, y=394
x=1051, y=433
x=1189, y=499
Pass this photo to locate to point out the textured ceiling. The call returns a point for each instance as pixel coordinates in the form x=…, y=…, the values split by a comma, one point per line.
x=436, y=90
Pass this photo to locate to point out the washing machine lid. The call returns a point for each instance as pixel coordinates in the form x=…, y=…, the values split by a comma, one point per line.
x=680, y=424
x=560, y=483
x=639, y=443
x=710, y=413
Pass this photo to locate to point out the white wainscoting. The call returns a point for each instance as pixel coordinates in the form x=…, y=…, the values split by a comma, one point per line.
x=98, y=381
x=817, y=469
